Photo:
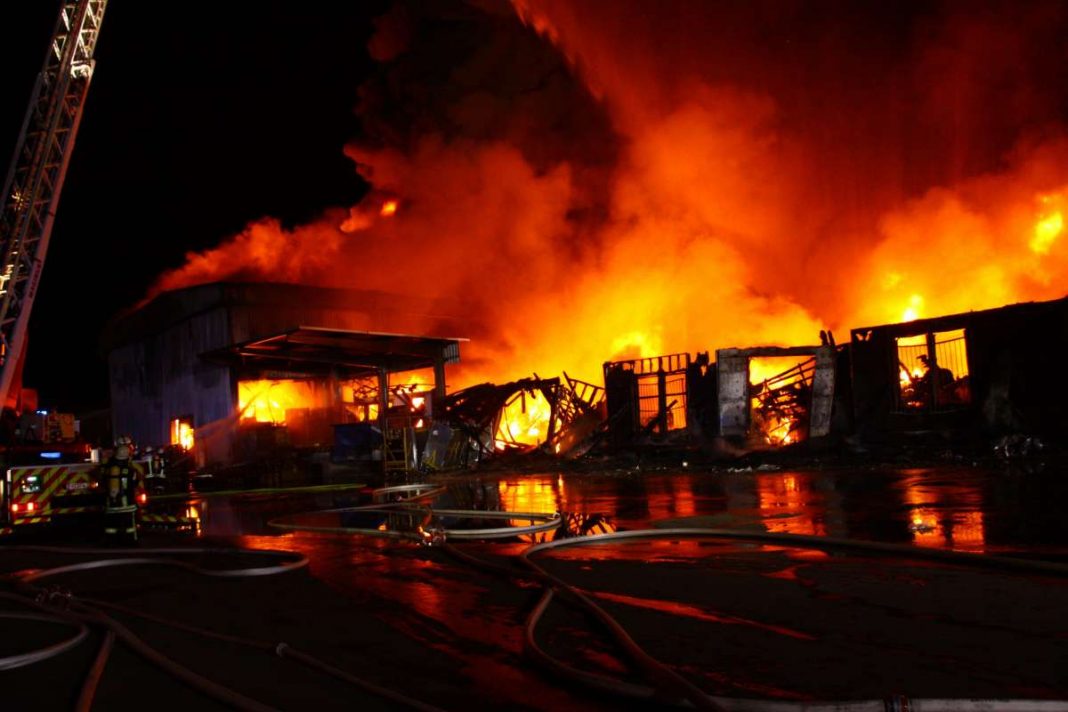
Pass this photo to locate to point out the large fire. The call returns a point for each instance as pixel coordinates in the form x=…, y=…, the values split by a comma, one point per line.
x=780, y=389
x=524, y=421
x=600, y=181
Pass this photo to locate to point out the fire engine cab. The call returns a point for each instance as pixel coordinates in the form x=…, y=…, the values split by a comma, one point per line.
x=38, y=494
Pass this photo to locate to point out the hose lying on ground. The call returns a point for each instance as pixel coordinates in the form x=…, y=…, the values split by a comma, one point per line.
x=195, y=681
x=87, y=611
x=92, y=679
x=11, y=662
x=283, y=650
x=664, y=679
x=424, y=532
x=292, y=561
x=609, y=684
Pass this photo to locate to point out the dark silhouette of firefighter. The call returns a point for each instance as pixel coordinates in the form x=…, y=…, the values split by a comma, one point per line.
x=937, y=380
x=121, y=485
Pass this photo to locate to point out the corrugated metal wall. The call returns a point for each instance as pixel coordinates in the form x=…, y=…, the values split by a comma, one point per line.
x=163, y=377
x=154, y=353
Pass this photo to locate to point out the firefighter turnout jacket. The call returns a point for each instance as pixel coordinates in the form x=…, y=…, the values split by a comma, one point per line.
x=121, y=481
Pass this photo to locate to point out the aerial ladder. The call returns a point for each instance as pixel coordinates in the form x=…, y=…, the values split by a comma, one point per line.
x=38, y=167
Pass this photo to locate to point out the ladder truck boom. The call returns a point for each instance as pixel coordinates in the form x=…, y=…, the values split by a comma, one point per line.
x=38, y=167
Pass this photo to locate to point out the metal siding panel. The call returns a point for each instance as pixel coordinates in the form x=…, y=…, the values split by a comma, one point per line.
x=732, y=374
x=822, y=392
x=135, y=401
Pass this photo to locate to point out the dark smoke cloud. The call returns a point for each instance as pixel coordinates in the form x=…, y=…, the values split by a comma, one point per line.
x=630, y=177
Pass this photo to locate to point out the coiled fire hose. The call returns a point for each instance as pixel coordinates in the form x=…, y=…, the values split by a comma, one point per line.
x=730, y=704
x=49, y=651
x=69, y=609
x=666, y=681
x=673, y=685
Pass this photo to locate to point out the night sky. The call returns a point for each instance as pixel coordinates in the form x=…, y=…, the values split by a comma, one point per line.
x=819, y=146
x=196, y=123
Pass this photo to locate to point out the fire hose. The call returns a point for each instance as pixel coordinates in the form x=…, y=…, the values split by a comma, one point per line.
x=73, y=610
x=50, y=651
x=424, y=531
x=608, y=684
x=664, y=679
x=669, y=682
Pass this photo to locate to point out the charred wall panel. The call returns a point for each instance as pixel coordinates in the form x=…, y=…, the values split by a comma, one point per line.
x=822, y=393
x=134, y=377
x=154, y=352
x=621, y=400
x=1013, y=359
x=162, y=377
x=732, y=369
x=873, y=365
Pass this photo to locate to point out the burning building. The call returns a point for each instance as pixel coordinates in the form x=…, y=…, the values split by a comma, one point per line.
x=226, y=368
x=763, y=396
x=993, y=371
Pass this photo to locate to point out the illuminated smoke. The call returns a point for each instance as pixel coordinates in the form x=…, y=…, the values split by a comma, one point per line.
x=618, y=178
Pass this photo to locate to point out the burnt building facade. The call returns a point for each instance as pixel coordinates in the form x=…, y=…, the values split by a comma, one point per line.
x=178, y=363
x=985, y=372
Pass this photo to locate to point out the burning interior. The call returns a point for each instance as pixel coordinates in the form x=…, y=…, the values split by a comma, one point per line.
x=221, y=371
x=983, y=372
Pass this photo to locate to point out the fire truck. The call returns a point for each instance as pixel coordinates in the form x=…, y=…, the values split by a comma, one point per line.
x=37, y=494
x=28, y=204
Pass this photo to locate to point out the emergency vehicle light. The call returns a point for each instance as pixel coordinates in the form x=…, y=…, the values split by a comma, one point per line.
x=51, y=455
x=15, y=507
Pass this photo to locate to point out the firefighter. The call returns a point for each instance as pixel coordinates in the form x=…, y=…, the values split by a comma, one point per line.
x=155, y=478
x=120, y=485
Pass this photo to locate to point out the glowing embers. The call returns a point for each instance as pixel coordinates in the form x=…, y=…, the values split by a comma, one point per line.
x=781, y=397
x=182, y=432
x=933, y=371
x=524, y=420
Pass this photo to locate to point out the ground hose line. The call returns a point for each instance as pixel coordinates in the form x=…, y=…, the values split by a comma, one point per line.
x=283, y=650
x=666, y=678
x=50, y=651
x=313, y=489
x=197, y=682
x=298, y=560
x=609, y=684
x=415, y=535
x=420, y=491
x=190, y=678
x=662, y=676
x=92, y=679
x=287, y=652
x=424, y=532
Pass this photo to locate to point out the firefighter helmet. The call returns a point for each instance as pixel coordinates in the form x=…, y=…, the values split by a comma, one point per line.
x=123, y=447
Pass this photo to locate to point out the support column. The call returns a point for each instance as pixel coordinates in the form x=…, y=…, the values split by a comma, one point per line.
x=661, y=401
x=383, y=399
x=439, y=387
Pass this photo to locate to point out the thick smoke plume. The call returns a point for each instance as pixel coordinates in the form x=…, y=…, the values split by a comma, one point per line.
x=618, y=178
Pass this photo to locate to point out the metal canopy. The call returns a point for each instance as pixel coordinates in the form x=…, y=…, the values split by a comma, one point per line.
x=314, y=350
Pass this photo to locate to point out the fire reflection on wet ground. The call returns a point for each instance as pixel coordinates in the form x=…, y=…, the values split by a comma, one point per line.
x=754, y=610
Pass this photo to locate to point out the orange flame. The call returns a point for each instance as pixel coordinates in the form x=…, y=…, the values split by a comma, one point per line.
x=524, y=421
x=752, y=199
